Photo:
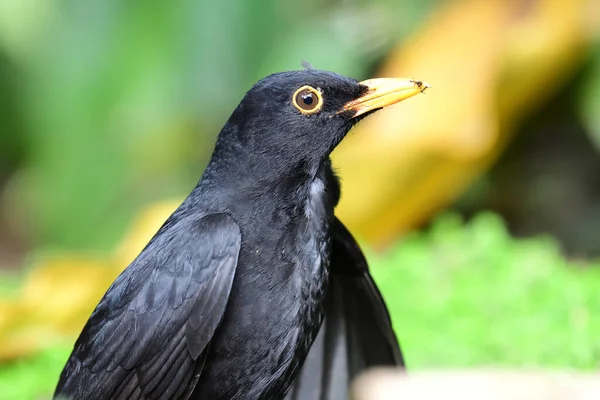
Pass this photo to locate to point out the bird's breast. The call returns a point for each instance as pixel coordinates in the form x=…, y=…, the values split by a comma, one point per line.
x=276, y=305
x=313, y=237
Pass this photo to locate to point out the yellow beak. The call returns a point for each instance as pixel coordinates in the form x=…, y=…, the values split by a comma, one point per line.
x=384, y=92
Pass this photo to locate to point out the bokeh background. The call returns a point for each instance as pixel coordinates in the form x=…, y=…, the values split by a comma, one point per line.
x=478, y=203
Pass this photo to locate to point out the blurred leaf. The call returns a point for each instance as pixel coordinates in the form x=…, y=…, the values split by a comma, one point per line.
x=55, y=300
x=491, y=63
x=7, y=315
x=12, y=131
x=63, y=290
x=590, y=100
x=22, y=23
x=9, y=283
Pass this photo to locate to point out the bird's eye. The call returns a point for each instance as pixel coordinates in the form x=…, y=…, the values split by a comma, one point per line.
x=307, y=100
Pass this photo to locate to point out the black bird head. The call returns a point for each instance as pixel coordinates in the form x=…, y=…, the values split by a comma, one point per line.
x=294, y=120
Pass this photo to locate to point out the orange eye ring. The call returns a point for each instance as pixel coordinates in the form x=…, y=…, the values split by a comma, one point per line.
x=308, y=100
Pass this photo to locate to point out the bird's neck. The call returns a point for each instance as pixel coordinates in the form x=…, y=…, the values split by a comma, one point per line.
x=234, y=167
x=243, y=178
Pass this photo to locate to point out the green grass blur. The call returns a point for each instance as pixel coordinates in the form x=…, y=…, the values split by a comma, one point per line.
x=471, y=295
x=460, y=295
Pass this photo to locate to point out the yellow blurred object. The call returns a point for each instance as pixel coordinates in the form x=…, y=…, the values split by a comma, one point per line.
x=491, y=63
x=56, y=299
x=9, y=318
x=24, y=339
x=63, y=290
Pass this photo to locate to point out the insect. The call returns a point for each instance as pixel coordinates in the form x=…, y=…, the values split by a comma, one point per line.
x=421, y=85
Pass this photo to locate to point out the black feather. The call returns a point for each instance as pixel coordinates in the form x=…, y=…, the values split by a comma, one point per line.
x=357, y=332
x=149, y=346
x=306, y=65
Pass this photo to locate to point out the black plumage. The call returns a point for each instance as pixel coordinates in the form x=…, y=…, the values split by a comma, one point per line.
x=228, y=297
x=356, y=333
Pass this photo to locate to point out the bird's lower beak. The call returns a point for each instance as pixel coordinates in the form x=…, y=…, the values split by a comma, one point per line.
x=383, y=92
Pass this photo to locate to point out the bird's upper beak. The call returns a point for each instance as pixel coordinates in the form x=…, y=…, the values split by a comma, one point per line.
x=383, y=92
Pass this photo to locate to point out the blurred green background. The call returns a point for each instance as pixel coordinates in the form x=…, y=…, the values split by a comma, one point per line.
x=108, y=105
x=486, y=253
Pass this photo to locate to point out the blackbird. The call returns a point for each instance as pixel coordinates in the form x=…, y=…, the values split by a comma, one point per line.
x=228, y=297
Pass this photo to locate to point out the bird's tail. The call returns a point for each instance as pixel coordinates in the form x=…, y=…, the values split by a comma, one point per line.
x=356, y=335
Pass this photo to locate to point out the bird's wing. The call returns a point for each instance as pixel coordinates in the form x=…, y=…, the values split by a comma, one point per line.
x=357, y=332
x=147, y=337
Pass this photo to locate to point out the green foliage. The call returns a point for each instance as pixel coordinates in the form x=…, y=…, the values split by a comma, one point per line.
x=9, y=284
x=460, y=295
x=465, y=295
x=590, y=96
x=34, y=377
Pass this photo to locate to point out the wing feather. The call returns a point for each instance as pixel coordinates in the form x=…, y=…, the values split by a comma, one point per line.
x=148, y=335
